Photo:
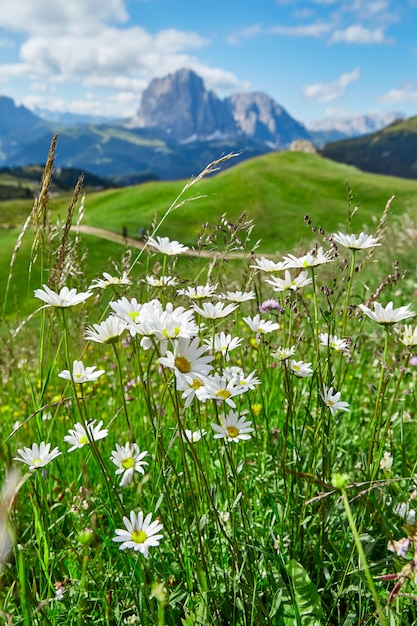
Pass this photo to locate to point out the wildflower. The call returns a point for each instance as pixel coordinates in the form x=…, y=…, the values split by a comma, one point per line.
x=260, y=326
x=140, y=534
x=282, y=354
x=308, y=260
x=81, y=374
x=162, y=281
x=238, y=296
x=80, y=436
x=214, y=311
x=217, y=387
x=164, y=245
x=235, y=372
x=108, y=331
x=37, y=456
x=400, y=547
x=199, y=292
x=65, y=298
x=300, y=368
x=266, y=265
x=102, y=283
x=388, y=315
x=233, y=427
x=332, y=400
x=223, y=344
x=405, y=511
x=386, y=461
x=408, y=335
x=128, y=460
x=127, y=310
x=270, y=305
x=331, y=341
x=360, y=242
x=187, y=360
x=283, y=284
x=190, y=436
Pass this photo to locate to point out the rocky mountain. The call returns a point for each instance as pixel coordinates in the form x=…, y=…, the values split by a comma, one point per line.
x=17, y=126
x=258, y=116
x=180, y=105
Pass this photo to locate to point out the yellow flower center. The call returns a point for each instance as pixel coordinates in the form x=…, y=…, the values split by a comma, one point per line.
x=139, y=536
x=36, y=461
x=196, y=384
x=330, y=402
x=128, y=462
x=78, y=376
x=232, y=431
x=133, y=315
x=83, y=440
x=224, y=394
x=182, y=364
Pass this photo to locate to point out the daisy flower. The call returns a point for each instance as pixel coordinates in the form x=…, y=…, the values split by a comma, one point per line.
x=238, y=296
x=359, y=242
x=139, y=533
x=81, y=374
x=212, y=311
x=259, y=325
x=408, y=335
x=164, y=245
x=65, y=298
x=190, y=436
x=78, y=436
x=191, y=390
x=187, y=360
x=266, y=265
x=38, y=455
x=283, y=284
x=102, y=283
x=331, y=341
x=108, y=331
x=127, y=310
x=217, y=387
x=332, y=400
x=300, y=368
x=223, y=344
x=128, y=460
x=233, y=427
x=235, y=372
x=162, y=281
x=199, y=292
x=282, y=354
x=308, y=260
x=388, y=315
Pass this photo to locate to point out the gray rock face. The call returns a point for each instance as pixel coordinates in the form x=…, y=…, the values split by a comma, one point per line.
x=180, y=105
x=260, y=117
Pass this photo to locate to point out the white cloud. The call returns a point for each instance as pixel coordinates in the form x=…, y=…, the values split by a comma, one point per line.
x=326, y=92
x=408, y=93
x=360, y=35
x=245, y=33
x=317, y=29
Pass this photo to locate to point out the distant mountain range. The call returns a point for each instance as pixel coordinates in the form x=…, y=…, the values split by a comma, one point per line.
x=179, y=128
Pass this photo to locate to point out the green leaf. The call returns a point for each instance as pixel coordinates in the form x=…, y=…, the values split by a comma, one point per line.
x=305, y=594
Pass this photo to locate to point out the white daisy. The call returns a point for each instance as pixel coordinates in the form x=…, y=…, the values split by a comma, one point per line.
x=164, y=245
x=332, y=400
x=283, y=284
x=233, y=427
x=161, y=281
x=333, y=342
x=388, y=315
x=238, y=296
x=300, y=368
x=128, y=460
x=282, y=354
x=212, y=311
x=235, y=372
x=187, y=360
x=199, y=292
x=127, y=310
x=139, y=534
x=78, y=436
x=266, y=265
x=102, y=283
x=408, y=335
x=108, y=331
x=81, y=374
x=37, y=456
x=190, y=436
x=223, y=344
x=65, y=298
x=359, y=242
x=308, y=260
x=259, y=325
x=217, y=387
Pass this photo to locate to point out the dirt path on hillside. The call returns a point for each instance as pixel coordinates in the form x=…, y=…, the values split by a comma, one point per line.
x=135, y=243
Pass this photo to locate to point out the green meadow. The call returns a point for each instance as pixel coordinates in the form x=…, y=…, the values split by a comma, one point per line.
x=217, y=428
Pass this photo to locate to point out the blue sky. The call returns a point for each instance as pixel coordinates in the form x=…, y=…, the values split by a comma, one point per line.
x=316, y=58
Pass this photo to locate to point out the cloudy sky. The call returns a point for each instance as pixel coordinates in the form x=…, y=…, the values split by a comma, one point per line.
x=316, y=58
